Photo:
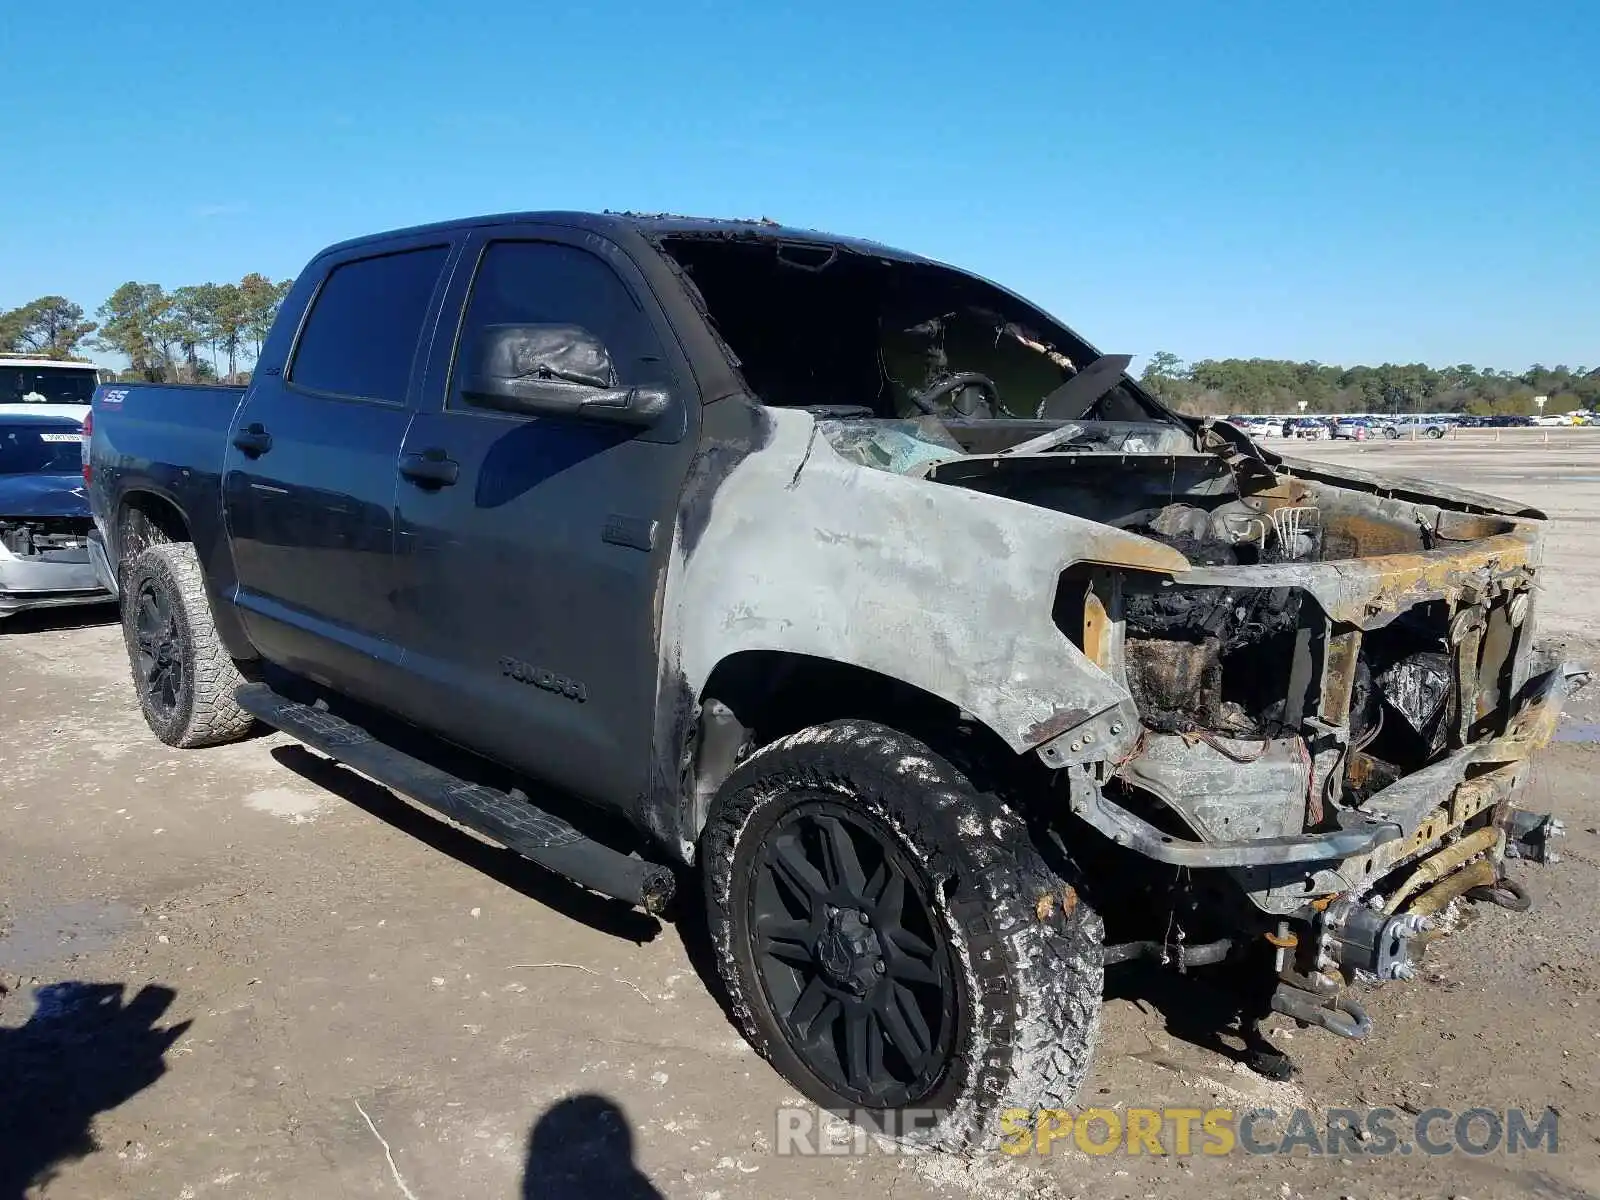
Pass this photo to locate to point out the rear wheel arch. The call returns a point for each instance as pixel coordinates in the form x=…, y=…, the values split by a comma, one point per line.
x=148, y=518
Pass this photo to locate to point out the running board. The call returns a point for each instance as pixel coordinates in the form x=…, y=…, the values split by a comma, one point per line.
x=504, y=817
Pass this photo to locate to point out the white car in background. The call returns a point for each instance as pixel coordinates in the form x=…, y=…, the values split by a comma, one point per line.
x=1257, y=427
x=48, y=387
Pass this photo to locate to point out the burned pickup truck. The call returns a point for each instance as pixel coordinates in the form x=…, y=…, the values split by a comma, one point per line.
x=954, y=664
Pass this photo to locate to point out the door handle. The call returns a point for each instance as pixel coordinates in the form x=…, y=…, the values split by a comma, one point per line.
x=430, y=469
x=253, y=440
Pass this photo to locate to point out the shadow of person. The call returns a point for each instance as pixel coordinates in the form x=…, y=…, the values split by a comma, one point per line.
x=580, y=1148
x=82, y=1052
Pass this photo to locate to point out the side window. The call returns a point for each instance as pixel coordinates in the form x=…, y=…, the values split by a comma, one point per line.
x=547, y=283
x=362, y=334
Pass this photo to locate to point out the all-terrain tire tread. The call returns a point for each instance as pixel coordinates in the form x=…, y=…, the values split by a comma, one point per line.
x=1033, y=954
x=212, y=716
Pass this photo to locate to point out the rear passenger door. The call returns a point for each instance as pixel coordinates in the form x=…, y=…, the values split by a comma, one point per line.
x=530, y=582
x=309, y=478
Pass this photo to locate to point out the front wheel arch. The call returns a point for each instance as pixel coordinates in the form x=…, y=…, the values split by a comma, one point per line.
x=773, y=693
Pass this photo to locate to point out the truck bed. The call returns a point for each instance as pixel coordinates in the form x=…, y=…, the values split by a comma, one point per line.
x=166, y=439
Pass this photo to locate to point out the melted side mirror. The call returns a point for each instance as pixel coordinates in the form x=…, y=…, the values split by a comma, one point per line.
x=554, y=370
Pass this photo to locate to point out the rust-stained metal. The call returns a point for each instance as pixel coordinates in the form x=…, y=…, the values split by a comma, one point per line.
x=1131, y=551
x=1055, y=724
x=1069, y=899
x=1484, y=791
x=1534, y=724
x=1368, y=593
x=1436, y=866
x=1097, y=628
x=1358, y=535
x=1499, y=637
x=1339, y=658
x=1467, y=655
x=1479, y=874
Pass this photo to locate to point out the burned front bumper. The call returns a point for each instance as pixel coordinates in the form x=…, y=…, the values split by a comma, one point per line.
x=1393, y=825
x=1318, y=798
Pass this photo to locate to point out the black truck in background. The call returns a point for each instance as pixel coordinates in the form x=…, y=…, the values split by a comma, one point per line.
x=864, y=588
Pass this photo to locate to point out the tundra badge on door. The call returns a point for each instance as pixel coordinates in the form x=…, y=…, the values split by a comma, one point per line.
x=522, y=672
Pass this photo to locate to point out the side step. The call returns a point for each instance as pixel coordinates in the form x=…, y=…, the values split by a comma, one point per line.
x=507, y=818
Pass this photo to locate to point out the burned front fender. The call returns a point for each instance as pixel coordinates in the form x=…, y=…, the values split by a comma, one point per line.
x=945, y=589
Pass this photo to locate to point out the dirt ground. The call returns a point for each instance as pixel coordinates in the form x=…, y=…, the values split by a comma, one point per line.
x=244, y=972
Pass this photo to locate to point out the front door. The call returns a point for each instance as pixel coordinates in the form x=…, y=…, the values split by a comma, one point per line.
x=309, y=477
x=529, y=583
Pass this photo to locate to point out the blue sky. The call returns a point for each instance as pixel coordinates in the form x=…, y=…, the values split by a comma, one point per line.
x=1356, y=182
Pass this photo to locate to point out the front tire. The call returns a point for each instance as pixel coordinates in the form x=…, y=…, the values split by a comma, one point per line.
x=182, y=673
x=892, y=942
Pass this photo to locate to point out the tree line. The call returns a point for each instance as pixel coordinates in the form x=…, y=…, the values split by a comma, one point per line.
x=1215, y=386
x=191, y=334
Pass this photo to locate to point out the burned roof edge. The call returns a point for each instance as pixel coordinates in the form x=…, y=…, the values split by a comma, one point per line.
x=650, y=225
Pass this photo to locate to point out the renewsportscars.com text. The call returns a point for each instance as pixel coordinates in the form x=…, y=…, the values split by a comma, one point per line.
x=1178, y=1131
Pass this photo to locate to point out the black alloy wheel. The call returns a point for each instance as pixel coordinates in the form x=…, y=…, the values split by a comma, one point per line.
x=181, y=670
x=858, y=972
x=890, y=939
x=158, y=658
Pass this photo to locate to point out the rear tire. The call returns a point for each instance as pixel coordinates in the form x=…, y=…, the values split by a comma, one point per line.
x=182, y=674
x=975, y=989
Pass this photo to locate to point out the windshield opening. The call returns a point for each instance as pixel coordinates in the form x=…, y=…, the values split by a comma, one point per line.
x=40, y=450
x=889, y=339
x=46, y=385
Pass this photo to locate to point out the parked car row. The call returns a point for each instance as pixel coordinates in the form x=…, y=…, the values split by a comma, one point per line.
x=1354, y=428
x=1431, y=425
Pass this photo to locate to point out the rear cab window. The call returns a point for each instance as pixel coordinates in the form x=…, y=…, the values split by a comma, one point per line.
x=42, y=384
x=360, y=339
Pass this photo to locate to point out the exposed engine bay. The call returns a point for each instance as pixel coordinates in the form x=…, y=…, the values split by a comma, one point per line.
x=50, y=539
x=44, y=562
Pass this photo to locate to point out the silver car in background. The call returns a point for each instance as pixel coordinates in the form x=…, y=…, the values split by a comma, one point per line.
x=44, y=513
